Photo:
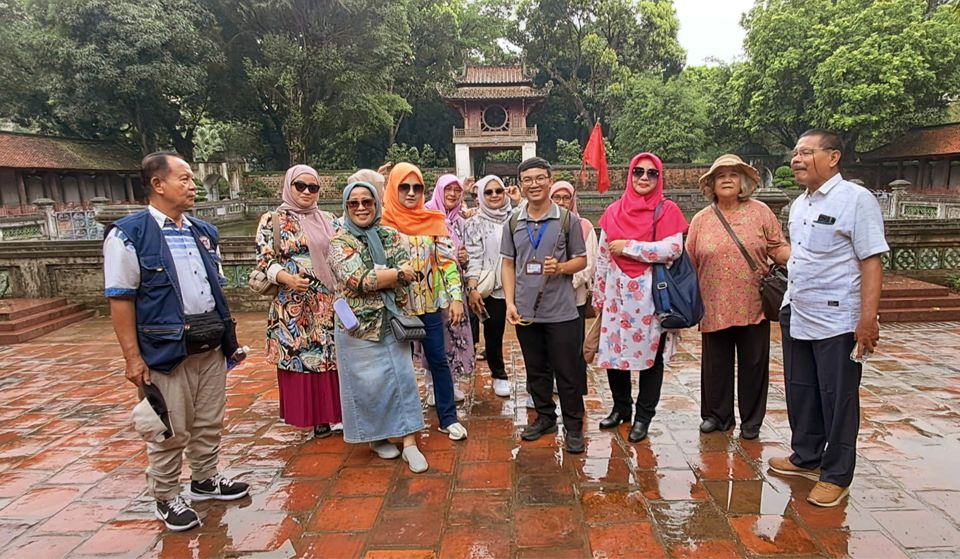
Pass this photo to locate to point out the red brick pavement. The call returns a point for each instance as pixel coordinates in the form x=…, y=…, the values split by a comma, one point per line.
x=71, y=470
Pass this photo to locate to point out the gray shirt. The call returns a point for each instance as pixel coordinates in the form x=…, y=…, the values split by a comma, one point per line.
x=831, y=231
x=558, y=303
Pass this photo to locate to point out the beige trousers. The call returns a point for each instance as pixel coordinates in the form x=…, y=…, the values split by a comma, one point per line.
x=195, y=393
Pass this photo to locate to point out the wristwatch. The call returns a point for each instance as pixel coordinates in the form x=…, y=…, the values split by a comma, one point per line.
x=470, y=289
x=401, y=277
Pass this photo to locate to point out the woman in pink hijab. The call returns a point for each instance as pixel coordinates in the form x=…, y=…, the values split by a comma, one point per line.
x=300, y=320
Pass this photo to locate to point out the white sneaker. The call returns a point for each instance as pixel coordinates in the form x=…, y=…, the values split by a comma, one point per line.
x=530, y=404
x=458, y=395
x=456, y=431
x=501, y=387
x=431, y=399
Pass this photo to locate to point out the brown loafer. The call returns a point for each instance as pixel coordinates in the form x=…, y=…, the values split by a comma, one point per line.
x=785, y=467
x=826, y=494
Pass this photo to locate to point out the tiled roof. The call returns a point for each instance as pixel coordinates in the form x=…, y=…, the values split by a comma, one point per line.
x=488, y=75
x=28, y=151
x=922, y=142
x=497, y=92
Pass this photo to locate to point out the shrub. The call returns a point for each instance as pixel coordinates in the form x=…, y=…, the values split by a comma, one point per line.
x=783, y=178
x=953, y=282
x=257, y=189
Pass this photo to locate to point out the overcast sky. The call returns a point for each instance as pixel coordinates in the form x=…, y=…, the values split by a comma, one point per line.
x=711, y=28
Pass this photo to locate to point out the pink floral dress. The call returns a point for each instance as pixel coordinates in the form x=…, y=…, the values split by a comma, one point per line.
x=630, y=331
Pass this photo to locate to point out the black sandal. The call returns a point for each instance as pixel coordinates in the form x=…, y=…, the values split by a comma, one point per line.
x=322, y=431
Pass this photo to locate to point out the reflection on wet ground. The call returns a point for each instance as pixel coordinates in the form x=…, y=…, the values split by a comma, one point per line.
x=71, y=470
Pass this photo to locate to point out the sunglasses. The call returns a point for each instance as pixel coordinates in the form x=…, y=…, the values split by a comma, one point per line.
x=493, y=192
x=366, y=203
x=652, y=174
x=301, y=186
x=415, y=188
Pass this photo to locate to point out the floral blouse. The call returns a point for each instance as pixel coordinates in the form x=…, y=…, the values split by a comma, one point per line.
x=730, y=289
x=436, y=259
x=299, y=325
x=353, y=266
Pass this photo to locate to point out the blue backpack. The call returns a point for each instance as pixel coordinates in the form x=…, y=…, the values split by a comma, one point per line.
x=676, y=291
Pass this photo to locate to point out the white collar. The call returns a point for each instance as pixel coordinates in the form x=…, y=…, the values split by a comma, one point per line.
x=828, y=186
x=161, y=218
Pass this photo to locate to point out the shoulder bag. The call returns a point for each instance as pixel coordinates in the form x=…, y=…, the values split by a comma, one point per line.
x=258, y=280
x=772, y=286
x=676, y=291
x=407, y=328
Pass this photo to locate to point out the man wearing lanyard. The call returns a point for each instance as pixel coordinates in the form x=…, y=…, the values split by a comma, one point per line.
x=829, y=316
x=540, y=257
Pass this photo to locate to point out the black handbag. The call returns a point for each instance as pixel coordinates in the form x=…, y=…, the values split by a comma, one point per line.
x=204, y=332
x=407, y=328
x=772, y=286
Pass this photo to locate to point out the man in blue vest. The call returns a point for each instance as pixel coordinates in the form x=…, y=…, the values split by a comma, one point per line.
x=163, y=279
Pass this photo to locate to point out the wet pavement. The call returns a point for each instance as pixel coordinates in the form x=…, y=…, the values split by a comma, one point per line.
x=71, y=470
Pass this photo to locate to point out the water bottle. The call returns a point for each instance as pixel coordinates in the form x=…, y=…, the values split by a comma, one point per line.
x=237, y=357
x=349, y=320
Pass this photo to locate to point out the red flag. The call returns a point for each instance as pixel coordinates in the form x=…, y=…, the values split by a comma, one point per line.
x=595, y=156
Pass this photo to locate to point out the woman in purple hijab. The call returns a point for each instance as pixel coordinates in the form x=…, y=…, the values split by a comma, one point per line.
x=300, y=320
x=458, y=338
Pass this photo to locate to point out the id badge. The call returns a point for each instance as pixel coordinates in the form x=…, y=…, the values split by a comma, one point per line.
x=534, y=268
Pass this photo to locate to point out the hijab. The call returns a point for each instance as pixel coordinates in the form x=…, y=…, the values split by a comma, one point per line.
x=418, y=221
x=496, y=215
x=585, y=225
x=317, y=228
x=372, y=235
x=368, y=176
x=455, y=221
x=631, y=217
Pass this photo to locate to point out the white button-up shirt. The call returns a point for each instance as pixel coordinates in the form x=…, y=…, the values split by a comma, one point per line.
x=121, y=266
x=831, y=231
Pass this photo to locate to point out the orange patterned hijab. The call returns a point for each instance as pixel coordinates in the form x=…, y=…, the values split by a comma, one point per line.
x=418, y=221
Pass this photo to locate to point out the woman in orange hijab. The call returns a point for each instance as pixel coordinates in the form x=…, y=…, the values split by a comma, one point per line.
x=436, y=287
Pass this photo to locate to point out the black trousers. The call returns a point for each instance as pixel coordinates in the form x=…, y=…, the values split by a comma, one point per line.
x=493, y=328
x=648, y=396
x=823, y=402
x=752, y=347
x=552, y=350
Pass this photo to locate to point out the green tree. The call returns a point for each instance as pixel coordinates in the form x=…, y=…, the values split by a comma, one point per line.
x=868, y=68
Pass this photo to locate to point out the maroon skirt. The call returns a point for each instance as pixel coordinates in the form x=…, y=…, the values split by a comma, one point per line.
x=309, y=399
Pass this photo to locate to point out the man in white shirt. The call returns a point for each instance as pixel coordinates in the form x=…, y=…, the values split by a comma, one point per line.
x=829, y=316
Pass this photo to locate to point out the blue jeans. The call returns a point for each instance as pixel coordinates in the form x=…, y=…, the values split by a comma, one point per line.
x=436, y=354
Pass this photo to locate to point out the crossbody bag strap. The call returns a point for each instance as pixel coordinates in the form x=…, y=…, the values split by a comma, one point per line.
x=743, y=250
x=276, y=235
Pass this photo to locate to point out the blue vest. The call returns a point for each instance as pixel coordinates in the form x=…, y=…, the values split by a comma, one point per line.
x=161, y=321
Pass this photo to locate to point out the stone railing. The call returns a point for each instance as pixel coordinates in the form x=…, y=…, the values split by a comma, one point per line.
x=926, y=249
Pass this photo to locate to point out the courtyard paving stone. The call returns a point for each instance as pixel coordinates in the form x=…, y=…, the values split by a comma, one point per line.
x=72, y=483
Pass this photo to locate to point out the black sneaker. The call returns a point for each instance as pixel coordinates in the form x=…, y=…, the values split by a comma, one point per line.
x=542, y=426
x=177, y=514
x=218, y=488
x=575, y=442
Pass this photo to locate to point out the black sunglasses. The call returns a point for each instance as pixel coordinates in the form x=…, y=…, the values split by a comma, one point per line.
x=301, y=186
x=416, y=188
x=651, y=173
x=494, y=192
x=367, y=203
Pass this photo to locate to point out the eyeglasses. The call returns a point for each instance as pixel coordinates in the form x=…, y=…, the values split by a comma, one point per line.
x=541, y=180
x=415, y=188
x=651, y=174
x=808, y=152
x=493, y=192
x=561, y=198
x=301, y=186
x=366, y=203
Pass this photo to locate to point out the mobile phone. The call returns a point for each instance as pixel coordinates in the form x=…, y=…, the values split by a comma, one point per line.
x=861, y=360
x=484, y=315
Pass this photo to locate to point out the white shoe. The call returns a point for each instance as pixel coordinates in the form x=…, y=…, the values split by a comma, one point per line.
x=413, y=457
x=456, y=431
x=385, y=449
x=458, y=395
x=431, y=399
x=530, y=404
x=501, y=387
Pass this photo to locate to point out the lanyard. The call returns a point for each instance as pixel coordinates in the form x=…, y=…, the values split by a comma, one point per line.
x=536, y=244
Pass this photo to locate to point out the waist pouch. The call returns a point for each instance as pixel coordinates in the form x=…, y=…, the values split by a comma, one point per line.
x=204, y=332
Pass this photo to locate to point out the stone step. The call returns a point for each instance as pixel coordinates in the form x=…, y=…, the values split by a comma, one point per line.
x=15, y=309
x=40, y=317
x=895, y=287
x=920, y=315
x=36, y=330
x=945, y=302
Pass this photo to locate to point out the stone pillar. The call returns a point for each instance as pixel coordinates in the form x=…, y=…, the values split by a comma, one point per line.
x=528, y=150
x=21, y=188
x=53, y=188
x=45, y=205
x=128, y=185
x=99, y=203
x=82, y=181
x=923, y=172
x=464, y=163
x=900, y=170
x=899, y=188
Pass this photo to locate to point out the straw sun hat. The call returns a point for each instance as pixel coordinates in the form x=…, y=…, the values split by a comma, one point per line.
x=751, y=176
